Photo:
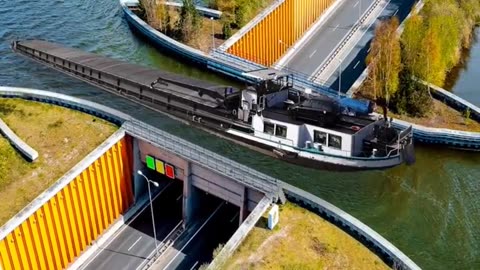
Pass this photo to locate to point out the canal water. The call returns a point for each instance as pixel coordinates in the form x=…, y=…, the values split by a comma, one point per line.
x=463, y=80
x=431, y=211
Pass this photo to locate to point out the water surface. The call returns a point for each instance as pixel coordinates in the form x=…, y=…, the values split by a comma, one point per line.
x=431, y=211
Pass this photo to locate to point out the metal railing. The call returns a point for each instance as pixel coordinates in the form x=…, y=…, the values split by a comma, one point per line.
x=345, y=40
x=301, y=80
x=204, y=157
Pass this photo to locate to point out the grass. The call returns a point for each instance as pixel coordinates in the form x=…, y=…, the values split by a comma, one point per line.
x=62, y=138
x=441, y=116
x=301, y=240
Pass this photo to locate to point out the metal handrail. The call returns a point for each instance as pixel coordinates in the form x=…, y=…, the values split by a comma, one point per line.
x=204, y=157
x=345, y=40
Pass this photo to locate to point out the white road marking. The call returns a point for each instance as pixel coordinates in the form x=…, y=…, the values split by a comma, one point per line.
x=179, y=197
x=195, y=234
x=153, y=251
x=134, y=243
x=231, y=220
x=83, y=266
x=396, y=11
x=370, y=48
x=194, y=265
x=335, y=27
x=312, y=54
x=356, y=4
x=356, y=65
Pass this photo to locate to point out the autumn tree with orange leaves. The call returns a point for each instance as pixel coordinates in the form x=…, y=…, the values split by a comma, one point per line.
x=384, y=61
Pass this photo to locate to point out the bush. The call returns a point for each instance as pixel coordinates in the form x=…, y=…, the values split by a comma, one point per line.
x=226, y=30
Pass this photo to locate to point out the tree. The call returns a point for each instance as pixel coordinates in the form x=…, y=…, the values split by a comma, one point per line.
x=385, y=63
x=190, y=21
x=156, y=13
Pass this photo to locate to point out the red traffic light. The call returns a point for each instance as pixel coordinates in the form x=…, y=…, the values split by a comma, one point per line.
x=169, y=171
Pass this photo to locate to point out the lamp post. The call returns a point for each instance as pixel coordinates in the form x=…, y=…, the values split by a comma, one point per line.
x=151, y=207
x=213, y=34
x=286, y=48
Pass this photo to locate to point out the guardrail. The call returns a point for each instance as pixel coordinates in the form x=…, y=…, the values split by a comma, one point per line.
x=239, y=235
x=17, y=142
x=345, y=40
x=206, y=158
x=301, y=80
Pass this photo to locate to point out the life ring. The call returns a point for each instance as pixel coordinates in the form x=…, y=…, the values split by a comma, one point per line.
x=355, y=128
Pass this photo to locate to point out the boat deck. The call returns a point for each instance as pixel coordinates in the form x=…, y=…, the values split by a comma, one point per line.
x=172, y=83
x=344, y=125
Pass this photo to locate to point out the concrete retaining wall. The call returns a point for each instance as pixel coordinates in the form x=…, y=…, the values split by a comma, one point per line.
x=375, y=242
x=17, y=142
x=240, y=234
x=454, y=101
x=207, y=12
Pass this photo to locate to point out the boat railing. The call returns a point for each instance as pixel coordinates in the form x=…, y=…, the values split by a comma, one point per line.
x=276, y=139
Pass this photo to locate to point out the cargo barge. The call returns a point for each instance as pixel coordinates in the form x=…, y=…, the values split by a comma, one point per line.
x=303, y=128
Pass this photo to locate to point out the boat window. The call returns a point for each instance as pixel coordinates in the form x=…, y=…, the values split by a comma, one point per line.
x=281, y=131
x=268, y=128
x=320, y=137
x=335, y=141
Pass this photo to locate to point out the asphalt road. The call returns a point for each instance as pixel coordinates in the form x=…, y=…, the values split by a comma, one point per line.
x=354, y=64
x=199, y=247
x=131, y=247
x=325, y=39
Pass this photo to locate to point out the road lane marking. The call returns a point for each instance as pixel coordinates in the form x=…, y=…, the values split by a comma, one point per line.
x=335, y=27
x=231, y=220
x=181, y=195
x=195, y=234
x=369, y=49
x=134, y=243
x=396, y=11
x=107, y=243
x=162, y=242
x=356, y=64
x=194, y=265
x=312, y=54
x=356, y=4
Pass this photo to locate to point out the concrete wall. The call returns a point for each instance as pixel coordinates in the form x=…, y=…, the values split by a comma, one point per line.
x=238, y=237
x=16, y=141
x=63, y=221
x=204, y=179
x=287, y=23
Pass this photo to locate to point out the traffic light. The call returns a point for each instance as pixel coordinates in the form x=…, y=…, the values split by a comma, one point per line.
x=160, y=166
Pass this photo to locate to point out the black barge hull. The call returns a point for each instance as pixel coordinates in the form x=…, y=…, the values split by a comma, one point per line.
x=178, y=96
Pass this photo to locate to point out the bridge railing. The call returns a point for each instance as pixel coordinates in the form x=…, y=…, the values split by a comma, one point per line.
x=301, y=80
x=204, y=157
x=345, y=40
